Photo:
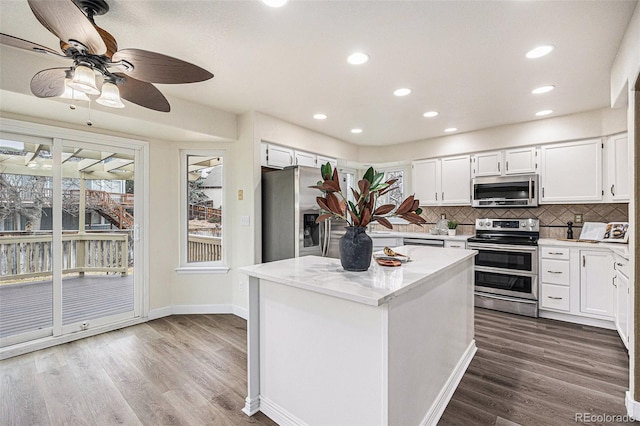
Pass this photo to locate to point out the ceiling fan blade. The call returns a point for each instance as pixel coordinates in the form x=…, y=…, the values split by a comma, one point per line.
x=143, y=94
x=12, y=41
x=48, y=83
x=157, y=68
x=67, y=22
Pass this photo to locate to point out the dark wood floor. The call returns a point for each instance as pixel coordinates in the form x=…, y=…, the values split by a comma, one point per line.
x=191, y=370
x=539, y=372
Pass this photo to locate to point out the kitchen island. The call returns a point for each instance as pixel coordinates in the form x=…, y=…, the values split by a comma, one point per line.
x=383, y=347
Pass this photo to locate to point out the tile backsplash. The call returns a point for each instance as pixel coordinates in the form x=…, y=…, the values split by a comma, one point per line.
x=553, y=217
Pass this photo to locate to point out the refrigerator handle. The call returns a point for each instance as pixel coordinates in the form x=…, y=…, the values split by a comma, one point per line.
x=325, y=229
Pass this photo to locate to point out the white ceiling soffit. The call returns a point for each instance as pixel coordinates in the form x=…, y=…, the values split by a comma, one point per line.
x=464, y=59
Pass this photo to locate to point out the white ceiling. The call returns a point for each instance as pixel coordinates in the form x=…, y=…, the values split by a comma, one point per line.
x=464, y=59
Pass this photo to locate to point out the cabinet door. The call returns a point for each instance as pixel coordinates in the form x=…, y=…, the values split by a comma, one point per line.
x=305, y=159
x=622, y=307
x=263, y=154
x=517, y=161
x=321, y=160
x=278, y=156
x=596, y=284
x=617, y=187
x=572, y=172
x=426, y=181
x=487, y=164
x=456, y=180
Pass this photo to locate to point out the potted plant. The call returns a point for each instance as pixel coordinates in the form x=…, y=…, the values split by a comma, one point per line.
x=355, y=245
x=452, y=225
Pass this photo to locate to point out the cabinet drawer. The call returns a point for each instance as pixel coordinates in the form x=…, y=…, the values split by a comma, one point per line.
x=554, y=253
x=455, y=244
x=554, y=297
x=554, y=271
x=382, y=242
x=622, y=266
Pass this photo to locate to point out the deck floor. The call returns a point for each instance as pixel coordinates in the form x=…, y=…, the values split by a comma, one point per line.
x=28, y=306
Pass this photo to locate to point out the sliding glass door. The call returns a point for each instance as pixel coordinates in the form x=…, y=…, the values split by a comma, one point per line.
x=68, y=236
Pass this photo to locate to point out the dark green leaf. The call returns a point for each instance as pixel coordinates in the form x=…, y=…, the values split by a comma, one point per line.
x=368, y=175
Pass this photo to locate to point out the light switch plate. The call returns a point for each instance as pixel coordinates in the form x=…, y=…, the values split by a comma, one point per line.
x=577, y=218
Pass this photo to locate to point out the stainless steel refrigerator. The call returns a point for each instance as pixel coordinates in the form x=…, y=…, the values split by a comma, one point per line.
x=289, y=213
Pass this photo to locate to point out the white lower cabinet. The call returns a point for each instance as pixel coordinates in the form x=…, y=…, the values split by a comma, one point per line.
x=596, y=283
x=577, y=284
x=455, y=244
x=622, y=307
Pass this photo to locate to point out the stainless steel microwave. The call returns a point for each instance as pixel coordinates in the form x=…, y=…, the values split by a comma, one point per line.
x=505, y=191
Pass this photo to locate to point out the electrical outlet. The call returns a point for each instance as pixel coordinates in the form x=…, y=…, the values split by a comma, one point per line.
x=577, y=218
x=240, y=194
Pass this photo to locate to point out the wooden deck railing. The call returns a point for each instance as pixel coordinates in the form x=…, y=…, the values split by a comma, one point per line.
x=28, y=256
x=202, y=248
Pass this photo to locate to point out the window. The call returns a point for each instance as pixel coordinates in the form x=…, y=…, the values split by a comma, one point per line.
x=202, y=211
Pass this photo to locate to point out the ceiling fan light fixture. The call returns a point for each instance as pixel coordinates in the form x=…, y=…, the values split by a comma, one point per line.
x=110, y=96
x=84, y=80
x=71, y=93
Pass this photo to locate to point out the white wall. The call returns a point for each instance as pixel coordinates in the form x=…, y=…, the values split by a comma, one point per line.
x=564, y=128
x=627, y=62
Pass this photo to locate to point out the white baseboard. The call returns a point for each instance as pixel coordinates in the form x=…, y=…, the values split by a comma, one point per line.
x=593, y=322
x=278, y=414
x=197, y=309
x=633, y=406
x=446, y=393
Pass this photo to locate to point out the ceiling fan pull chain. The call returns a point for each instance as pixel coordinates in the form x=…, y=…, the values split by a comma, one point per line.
x=89, y=122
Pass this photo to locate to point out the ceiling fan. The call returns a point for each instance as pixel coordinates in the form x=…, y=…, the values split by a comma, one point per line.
x=126, y=73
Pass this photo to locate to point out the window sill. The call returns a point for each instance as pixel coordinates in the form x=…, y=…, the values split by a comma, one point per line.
x=183, y=270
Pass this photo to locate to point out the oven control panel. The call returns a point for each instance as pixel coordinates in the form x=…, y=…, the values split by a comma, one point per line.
x=531, y=225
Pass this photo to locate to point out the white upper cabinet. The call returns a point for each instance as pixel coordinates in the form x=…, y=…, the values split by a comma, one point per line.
x=455, y=179
x=426, y=181
x=321, y=160
x=443, y=181
x=279, y=156
x=487, y=164
x=520, y=161
x=304, y=159
x=502, y=163
x=617, y=188
x=571, y=172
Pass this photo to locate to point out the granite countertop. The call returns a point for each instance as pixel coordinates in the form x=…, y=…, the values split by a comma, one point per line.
x=422, y=235
x=375, y=286
x=617, y=248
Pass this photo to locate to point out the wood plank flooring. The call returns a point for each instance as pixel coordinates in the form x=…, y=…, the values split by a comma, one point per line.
x=191, y=370
x=539, y=372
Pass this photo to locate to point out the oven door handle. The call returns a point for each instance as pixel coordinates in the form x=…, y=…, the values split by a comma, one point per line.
x=502, y=247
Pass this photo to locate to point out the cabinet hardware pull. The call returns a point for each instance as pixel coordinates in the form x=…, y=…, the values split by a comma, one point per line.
x=507, y=166
x=436, y=196
x=554, y=297
x=554, y=272
x=442, y=195
x=584, y=260
x=542, y=192
x=619, y=264
x=556, y=253
x=613, y=281
x=498, y=166
x=612, y=189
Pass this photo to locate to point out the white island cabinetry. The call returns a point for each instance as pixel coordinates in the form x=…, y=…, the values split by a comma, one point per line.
x=383, y=347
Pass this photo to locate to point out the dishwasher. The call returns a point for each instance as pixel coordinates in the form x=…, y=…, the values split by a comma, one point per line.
x=422, y=242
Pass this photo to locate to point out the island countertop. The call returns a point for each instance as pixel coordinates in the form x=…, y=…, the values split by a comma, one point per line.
x=374, y=287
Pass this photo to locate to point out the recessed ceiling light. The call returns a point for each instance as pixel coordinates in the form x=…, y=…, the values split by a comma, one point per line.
x=544, y=112
x=402, y=92
x=540, y=51
x=451, y=129
x=358, y=58
x=542, y=89
x=430, y=114
x=275, y=3
x=320, y=116
x=356, y=130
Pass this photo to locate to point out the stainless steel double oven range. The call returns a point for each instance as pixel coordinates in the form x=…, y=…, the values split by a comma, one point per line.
x=506, y=267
